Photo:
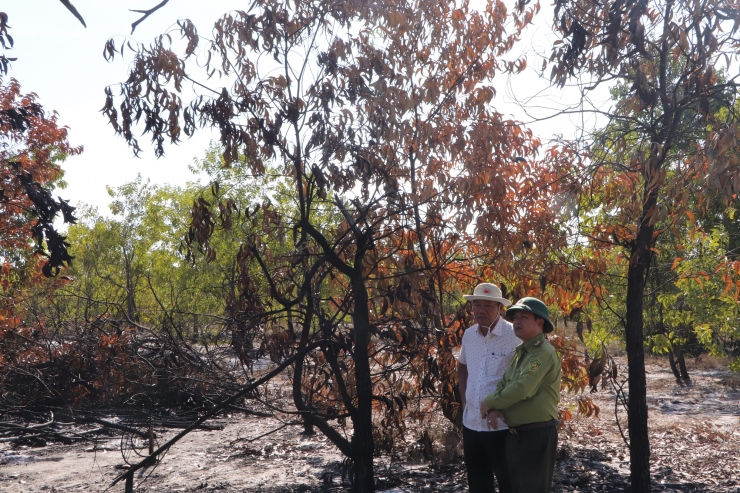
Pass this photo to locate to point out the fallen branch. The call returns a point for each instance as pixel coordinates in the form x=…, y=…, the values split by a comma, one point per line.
x=185, y=424
x=292, y=423
x=149, y=460
x=46, y=429
x=141, y=434
x=46, y=434
x=251, y=411
x=14, y=427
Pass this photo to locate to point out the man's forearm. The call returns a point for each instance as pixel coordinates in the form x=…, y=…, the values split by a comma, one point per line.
x=462, y=381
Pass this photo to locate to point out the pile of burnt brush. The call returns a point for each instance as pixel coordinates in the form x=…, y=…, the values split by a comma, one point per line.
x=101, y=379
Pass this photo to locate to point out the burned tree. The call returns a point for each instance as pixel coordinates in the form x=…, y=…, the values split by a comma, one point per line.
x=378, y=119
x=640, y=177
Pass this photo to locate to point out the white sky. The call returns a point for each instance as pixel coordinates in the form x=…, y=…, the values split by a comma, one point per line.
x=62, y=62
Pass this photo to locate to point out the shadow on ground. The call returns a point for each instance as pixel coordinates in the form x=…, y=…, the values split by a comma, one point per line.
x=584, y=470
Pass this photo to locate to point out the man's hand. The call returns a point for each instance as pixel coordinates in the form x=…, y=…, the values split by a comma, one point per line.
x=493, y=417
x=483, y=408
x=490, y=415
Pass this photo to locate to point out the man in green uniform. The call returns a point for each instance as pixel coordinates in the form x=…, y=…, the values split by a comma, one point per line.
x=527, y=399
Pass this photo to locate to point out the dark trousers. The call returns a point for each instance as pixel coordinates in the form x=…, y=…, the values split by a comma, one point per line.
x=485, y=455
x=531, y=459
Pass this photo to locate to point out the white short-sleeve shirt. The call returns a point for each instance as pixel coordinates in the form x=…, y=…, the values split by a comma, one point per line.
x=487, y=358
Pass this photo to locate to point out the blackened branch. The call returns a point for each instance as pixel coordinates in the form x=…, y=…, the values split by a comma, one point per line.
x=74, y=11
x=146, y=13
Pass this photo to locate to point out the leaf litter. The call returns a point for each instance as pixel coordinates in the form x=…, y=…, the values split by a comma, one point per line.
x=695, y=446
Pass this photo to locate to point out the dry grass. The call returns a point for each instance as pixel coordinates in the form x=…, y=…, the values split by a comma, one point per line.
x=707, y=362
x=732, y=381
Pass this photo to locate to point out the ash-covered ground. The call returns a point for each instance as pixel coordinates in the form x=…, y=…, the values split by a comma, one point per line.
x=695, y=438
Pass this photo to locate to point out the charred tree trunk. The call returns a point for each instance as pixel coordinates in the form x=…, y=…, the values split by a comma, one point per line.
x=637, y=411
x=361, y=447
x=362, y=439
x=662, y=135
x=298, y=370
x=308, y=427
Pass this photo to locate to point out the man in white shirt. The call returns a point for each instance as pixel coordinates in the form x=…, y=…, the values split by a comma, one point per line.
x=487, y=349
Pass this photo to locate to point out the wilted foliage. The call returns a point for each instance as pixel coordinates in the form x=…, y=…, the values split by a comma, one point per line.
x=32, y=146
x=670, y=148
x=405, y=187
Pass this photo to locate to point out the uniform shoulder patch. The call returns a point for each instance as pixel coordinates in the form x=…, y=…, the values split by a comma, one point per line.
x=534, y=364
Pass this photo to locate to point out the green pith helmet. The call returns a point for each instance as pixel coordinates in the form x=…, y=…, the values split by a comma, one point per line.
x=535, y=306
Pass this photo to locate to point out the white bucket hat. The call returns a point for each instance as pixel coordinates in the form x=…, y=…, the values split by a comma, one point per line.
x=487, y=291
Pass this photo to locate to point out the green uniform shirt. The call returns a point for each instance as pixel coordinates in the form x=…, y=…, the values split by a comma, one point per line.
x=529, y=391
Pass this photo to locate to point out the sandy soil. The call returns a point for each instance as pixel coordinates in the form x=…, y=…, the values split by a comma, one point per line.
x=695, y=437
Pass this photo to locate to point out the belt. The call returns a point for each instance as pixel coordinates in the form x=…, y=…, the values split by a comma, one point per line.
x=534, y=426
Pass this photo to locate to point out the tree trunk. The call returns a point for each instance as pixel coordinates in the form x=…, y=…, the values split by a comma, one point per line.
x=298, y=369
x=674, y=368
x=362, y=439
x=682, y=365
x=308, y=428
x=131, y=312
x=637, y=403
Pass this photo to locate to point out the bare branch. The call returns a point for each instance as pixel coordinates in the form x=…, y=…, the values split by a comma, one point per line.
x=146, y=13
x=150, y=459
x=72, y=9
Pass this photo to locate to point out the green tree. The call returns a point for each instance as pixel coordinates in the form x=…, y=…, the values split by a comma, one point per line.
x=135, y=259
x=676, y=238
x=703, y=305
